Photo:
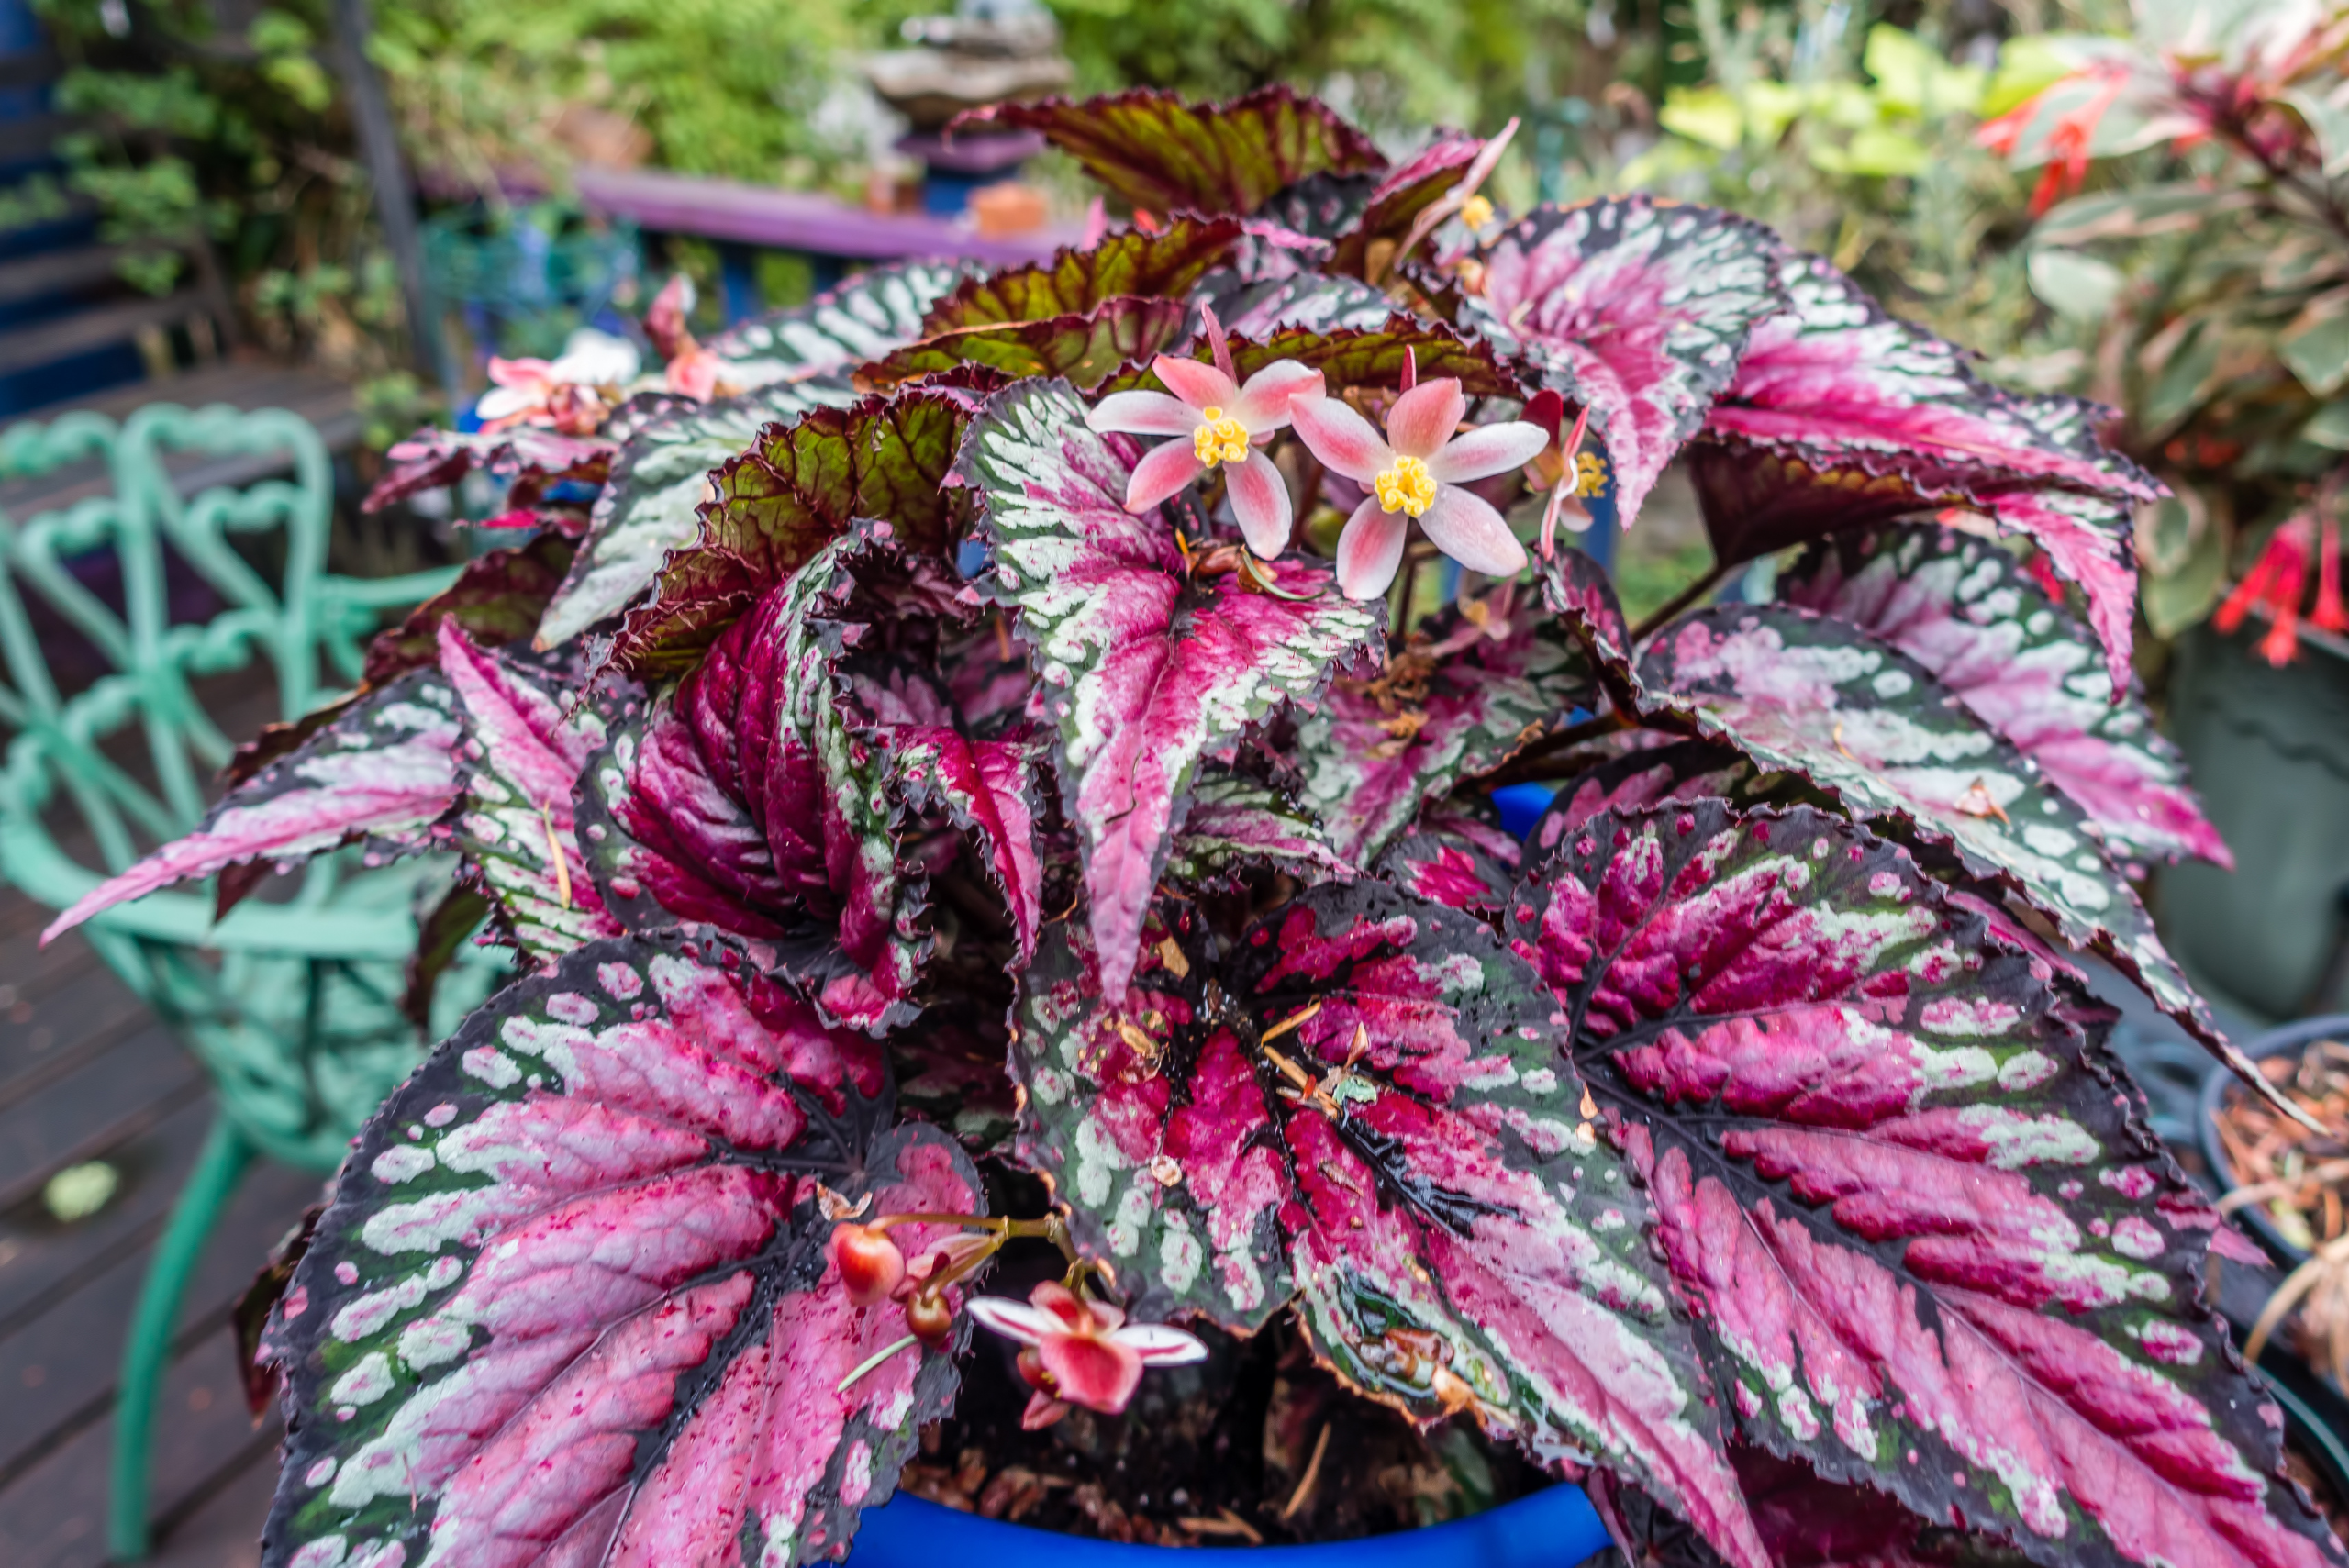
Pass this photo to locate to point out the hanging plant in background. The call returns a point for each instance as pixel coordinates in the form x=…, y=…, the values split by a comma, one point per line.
x=965, y=664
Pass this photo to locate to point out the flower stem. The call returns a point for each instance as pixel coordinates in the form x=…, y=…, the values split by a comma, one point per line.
x=873, y=1362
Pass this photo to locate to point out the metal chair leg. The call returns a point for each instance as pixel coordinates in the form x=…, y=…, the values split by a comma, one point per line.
x=147, y=1354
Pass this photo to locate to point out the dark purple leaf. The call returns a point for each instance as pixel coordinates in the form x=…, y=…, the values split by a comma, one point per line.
x=1864, y=722
x=440, y=936
x=652, y=504
x=954, y=1074
x=798, y=487
x=1085, y=347
x=1144, y=667
x=527, y=737
x=571, y=1303
x=533, y=458
x=1639, y=776
x=760, y=796
x=1452, y=869
x=384, y=769
x=1458, y=698
x=1164, y=155
x=1364, y=1102
x=1315, y=302
x=497, y=597
x=1843, y=417
x=1929, y=1247
x=863, y=319
x=1132, y=263
x=1970, y=613
x=1634, y=309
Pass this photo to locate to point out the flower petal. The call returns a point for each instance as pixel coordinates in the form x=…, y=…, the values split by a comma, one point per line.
x=1015, y=1320
x=1345, y=441
x=1487, y=449
x=534, y=374
x=1169, y=467
x=1077, y=1315
x=1042, y=1412
x=1424, y=418
x=1143, y=414
x=504, y=401
x=1201, y=386
x=1162, y=1344
x=1260, y=501
x=1465, y=528
x=1370, y=549
x=1099, y=1374
x=1263, y=403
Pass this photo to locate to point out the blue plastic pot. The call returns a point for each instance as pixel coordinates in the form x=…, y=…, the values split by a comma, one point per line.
x=1556, y=1528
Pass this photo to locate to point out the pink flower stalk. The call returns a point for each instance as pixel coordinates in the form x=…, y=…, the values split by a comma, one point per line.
x=1226, y=422
x=567, y=394
x=2275, y=584
x=1416, y=472
x=1079, y=1352
x=690, y=369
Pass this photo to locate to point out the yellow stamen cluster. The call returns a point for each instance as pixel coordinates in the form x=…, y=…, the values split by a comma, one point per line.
x=1408, y=487
x=1590, y=474
x=1475, y=212
x=1220, y=438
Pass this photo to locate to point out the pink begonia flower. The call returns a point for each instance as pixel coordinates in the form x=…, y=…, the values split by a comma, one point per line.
x=1226, y=423
x=564, y=393
x=1080, y=1352
x=1416, y=472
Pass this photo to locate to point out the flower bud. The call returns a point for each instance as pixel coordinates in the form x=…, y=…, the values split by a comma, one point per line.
x=869, y=1263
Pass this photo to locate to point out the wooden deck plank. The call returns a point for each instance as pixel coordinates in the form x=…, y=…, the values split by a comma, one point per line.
x=105, y=1103
x=42, y=1261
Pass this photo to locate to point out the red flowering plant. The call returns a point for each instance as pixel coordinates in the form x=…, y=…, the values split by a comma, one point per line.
x=1007, y=689
x=2205, y=274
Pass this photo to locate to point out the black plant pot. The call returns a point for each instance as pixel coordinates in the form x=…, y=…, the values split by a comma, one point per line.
x=2290, y=1040
x=2269, y=750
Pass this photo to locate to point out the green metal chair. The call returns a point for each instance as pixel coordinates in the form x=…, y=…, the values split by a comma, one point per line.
x=293, y=1007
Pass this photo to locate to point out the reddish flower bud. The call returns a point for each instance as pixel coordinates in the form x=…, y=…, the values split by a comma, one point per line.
x=930, y=1317
x=869, y=1263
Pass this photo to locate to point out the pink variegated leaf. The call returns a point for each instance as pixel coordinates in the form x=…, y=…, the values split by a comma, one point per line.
x=1236, y=823
x=1633, y=309
x=1145, y=666
x=384, y=769
x=526, y=740
x=1973, y=615
x=1931, y=1247
x=532, y=458
x=873, y=312
x=1349, y=356
x=1460, y=697
x=571, y=1303
x=1362, y=1103
x=1843, y=417
x=1163, y=155
x=991, y=790
x=761, y=796
x=1801, y=694
x=1451, y=868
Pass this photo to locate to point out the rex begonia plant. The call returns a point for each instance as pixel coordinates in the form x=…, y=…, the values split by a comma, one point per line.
x=1002, y=686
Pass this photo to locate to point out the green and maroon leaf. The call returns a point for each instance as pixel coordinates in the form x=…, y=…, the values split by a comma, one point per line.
x=1087, y=347
x=1399, y=199
x=382, y=769
x=531, y=458
x=652, y=504
x=1235, y=823
x=877, y=310
x=1640, y=776
x=1460, y=697
x=758, y=797
x=1144, y=669
x=1164, y=155
x=1931, y=1247
x=497, y=598
x=1634, y=309
x=1874, y=729
x=1353, y=357
x=795, y=489
x=990, y=790
x=571, y=1303
x=527, y=737
x=1132, y=263
x=1843, y=416
x=1364, y=1102
x=1969, y=612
